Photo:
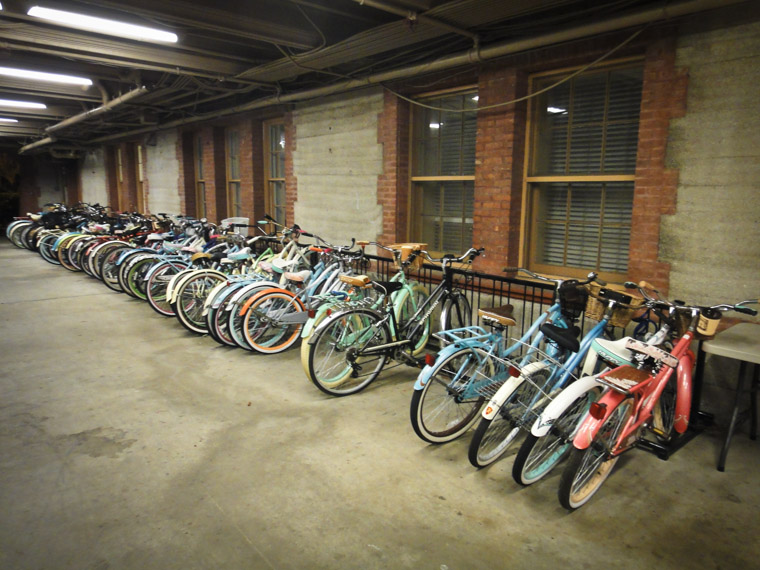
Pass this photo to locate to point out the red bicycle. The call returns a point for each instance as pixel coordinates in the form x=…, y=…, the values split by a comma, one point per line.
x=652, y=397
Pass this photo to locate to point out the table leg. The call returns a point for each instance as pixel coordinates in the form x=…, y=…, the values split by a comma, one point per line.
x=734, y=417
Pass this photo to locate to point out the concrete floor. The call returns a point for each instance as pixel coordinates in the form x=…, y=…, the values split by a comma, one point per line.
x=127, y=442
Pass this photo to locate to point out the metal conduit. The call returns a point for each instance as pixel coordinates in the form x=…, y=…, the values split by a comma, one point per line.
x=467, y=58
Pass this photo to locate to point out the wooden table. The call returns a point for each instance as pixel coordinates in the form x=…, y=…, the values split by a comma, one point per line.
x=740, y=342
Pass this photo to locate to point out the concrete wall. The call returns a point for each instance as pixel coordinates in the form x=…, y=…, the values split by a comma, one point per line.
x=713, y=240
x=336, y=164
x=93, y=177
x=49, y=185
x=162, y=174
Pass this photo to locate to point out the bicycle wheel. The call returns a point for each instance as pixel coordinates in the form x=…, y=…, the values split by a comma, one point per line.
x=124, y=267
x=110, y=267
x=335, y=363
x=158, y=281
x=46, y=249
x=537, y=456
x=305, y=348
x=447, y=405
x=588, y=468
x=190, y=297
x=456, y=312
x=264, y=331
x=407, y=305
x=494, y=436
x=218, y=318
x=664, y=411
x=135, y=281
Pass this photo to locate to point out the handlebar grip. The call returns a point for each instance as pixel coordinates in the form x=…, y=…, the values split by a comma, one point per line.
x=511, y=269
x=630, y=285
x=601, y=282
x=362, y=243
x=647, y=285
x=745, y=310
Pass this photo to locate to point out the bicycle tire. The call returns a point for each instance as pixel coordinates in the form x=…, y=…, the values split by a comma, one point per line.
x=495, y=435
x=537, y=456
x=262, y=330
x=45, y=248
x=109, y=268
x=136, y=285
x=217, y=319
x=320, y=316
x=331, y=345
x=587, y=469
x=407, y=304
x=190, y=297
x=456, y=312
x=664, y=411
x=157, y=284
x=437, y=413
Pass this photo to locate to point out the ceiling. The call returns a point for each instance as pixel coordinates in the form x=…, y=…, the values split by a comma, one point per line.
x=232, y=53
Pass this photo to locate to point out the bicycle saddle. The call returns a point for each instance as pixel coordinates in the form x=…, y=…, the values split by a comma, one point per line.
x=566, y=338
x=387, y=287
x=298, y=276
x=500, y=315
x=613, y=351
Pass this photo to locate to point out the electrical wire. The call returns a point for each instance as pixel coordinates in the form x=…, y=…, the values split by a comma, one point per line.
x=525, y=97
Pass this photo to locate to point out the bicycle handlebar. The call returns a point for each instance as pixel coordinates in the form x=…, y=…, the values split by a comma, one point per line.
x=660, y=302
x=591, y=277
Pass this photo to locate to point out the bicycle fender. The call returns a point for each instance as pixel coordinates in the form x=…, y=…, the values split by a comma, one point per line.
x=257, y=296
x=190, y=273
x=426, y=373
x=556, y=407
x=246, y=288
x=174, y=281
x=340, y=314
x=683, y=391
x=209, y=302
x=590, y=426
x=308, y=326
x=495, y=403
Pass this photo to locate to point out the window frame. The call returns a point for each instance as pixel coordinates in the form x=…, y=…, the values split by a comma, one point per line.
x=414, y=206
x=201, y=210
x=140, y=177
x=529, y=223
x=234, y=207
x=270, y=202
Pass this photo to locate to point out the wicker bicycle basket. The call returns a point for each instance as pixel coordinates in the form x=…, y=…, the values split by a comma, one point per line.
x=622, y=314
x=406, y=251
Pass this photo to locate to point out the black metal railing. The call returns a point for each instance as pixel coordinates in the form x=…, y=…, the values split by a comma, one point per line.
x=529, y=298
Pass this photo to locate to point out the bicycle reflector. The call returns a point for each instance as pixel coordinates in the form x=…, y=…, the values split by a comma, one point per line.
x=597, y=410
x=312, y=313
x=430, y=359
x=514, y=371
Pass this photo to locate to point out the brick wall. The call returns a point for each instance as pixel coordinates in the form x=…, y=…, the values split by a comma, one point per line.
x=291, y=181
x=656, y=187
x=393, y=183
x=499, y=155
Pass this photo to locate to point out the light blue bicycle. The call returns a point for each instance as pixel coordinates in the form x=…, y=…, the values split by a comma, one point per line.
x=475, y=363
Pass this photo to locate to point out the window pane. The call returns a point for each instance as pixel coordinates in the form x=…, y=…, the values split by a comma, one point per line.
x=233, y=154
x=584, y=225
x=446, y=217
x=444, y=137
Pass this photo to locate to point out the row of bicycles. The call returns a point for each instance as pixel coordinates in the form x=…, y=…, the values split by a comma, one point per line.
x=575, y=385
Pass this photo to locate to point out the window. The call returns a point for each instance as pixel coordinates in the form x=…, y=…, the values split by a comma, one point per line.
x=200, y=180
x=140, y=178
x=234, y=194
x=274, y=161
x=123, y=206
x=443, y=172
x=582, y=158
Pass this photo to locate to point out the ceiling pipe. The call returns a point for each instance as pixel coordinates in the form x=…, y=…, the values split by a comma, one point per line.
x=113, y=103
x=38, y=144
x=415, y=16
x=469, y=57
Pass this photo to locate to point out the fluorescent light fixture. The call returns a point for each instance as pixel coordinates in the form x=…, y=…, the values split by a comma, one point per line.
x=555, y=110
x=475, y=97
x=435, y=125
x=22, y=104
x=102, y=25
x=7, y=120
x=44, y=76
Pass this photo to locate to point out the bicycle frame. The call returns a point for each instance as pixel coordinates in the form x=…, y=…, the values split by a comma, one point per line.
x=646, y=392
x=492, y=343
